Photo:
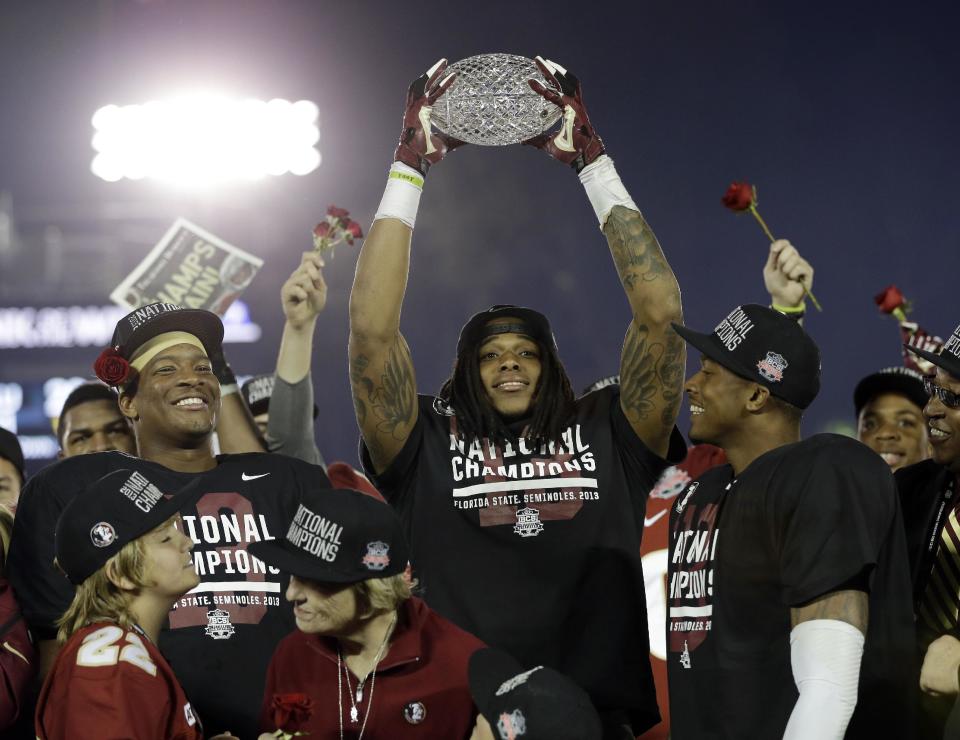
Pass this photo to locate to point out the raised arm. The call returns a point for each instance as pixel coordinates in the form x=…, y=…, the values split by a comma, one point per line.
x=381, y=371
x=653, y=357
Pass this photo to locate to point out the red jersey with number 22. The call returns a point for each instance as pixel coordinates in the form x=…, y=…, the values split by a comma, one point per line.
x=109, y=683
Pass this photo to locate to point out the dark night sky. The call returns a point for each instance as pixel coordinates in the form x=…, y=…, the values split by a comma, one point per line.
x=844, y=114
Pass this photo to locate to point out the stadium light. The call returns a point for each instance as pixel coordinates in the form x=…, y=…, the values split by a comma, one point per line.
x=205, y=139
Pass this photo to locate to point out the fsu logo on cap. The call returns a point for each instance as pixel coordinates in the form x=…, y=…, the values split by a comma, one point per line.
x=772, y=366
x=376, y=557
x=102, y=534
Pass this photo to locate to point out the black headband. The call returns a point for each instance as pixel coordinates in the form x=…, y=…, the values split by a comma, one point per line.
x=493, y=329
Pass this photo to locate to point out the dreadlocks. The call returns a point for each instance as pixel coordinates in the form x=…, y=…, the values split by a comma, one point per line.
x=476, y=417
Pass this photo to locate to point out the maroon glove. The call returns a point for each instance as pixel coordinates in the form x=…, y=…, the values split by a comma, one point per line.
x=419, y=147
x=577, y=143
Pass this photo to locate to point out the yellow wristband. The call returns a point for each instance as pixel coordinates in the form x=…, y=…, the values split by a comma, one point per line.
x=790, y=310
x=412, y=179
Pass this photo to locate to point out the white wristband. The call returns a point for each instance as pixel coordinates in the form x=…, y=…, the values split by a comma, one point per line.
x=228, y=390
x=604, y=188
x=401, y=197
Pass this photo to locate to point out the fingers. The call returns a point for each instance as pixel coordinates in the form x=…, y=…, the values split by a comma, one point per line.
x=435, y=72
x=549, y=93
x=437, y=90
x=545, y=69
x=539, y=141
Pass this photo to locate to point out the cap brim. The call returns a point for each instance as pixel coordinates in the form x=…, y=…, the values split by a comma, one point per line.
x=204, y=325
x=935, y=359
x=873, y=385
x=487, y=670
x=710, y=346
x=289, y=559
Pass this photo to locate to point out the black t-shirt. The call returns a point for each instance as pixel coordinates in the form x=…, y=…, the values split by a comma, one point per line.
x=928, y=493
x=222, y=634
x=801, y=521
x=537, y=551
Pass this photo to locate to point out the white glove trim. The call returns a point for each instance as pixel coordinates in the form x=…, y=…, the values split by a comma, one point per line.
x=825, y=655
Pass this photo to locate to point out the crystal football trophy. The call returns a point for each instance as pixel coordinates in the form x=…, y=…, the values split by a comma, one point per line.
x=491, y=104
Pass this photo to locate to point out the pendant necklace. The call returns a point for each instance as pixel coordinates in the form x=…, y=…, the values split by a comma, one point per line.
x=343, y=672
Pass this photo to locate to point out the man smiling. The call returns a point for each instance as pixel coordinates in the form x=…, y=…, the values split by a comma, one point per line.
x=525, y=505
x=222, y=633
x=928, y=495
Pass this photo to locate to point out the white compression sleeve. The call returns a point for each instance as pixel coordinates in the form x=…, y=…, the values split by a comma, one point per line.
x=825, y=655
x=401, y=197
x=604, y=188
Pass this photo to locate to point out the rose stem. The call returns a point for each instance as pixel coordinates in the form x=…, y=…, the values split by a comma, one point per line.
x=766, y=230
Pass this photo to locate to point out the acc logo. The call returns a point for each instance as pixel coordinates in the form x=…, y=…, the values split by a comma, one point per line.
x=102, y=534
x=511, y=725
x=772, y=366
x=376, y=557
x=528, y=522
x=415, y=712
x=218, y=625
x=686, y=497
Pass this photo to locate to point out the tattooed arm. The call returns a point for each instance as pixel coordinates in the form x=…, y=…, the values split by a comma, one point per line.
x=847, y=606
x=653, y=359
x=381, y=372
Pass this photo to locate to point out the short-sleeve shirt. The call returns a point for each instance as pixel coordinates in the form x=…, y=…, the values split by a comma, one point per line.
x=222, y=633
x=799, y=522
x=111, y=683
x=420, y=689
x=536, y=551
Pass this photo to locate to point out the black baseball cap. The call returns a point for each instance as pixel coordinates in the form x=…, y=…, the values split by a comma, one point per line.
x=144, y=323
x=947, y=358
x=904, y=381
x=339, y=536
x=766, y=347
x=257, y=393
x=110, y=512
x=538, y=704
x=10, y=450
x=532, y=323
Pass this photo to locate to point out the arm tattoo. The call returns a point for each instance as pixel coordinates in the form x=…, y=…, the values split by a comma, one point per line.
x=359, y=382
x=635, y=249
x=847, y=606
x=395, y=399
x=649, y=369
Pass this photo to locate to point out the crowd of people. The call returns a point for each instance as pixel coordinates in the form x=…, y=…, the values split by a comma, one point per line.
x=482, y=577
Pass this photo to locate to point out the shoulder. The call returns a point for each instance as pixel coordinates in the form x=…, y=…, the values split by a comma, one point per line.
x=597, y=400
x=454, y=641
x=829, y=450
x=82, y=468
x=105, y=651
x=919, y=475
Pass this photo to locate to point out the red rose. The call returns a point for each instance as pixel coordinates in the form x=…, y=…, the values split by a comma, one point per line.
x=321, y=230
x=739, y=196
x=290, y=709
x=352, y=231
x=889, y=299
x=337, y=212
x=112, y=367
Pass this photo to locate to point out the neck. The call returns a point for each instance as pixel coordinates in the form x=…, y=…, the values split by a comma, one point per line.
x=361, y=645
x=755, y=442
x=182, y=459
x=150, y=612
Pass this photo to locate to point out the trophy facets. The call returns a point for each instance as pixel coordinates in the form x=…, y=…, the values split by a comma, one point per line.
x=491, y=104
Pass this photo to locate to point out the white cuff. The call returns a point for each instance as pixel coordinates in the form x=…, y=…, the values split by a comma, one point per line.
x=401, y=197
x=604, y=188
x=825, y=655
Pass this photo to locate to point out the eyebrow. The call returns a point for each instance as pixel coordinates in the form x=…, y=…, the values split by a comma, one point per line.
x=176, y=358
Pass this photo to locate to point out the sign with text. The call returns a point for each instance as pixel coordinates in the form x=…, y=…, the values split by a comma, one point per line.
x=190, y=267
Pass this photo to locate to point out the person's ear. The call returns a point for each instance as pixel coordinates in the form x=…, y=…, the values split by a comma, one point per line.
x=128, y=406
x=121, y=582
x=758, y=398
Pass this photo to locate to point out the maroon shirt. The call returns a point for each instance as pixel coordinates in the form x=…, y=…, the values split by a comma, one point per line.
x=421, y=688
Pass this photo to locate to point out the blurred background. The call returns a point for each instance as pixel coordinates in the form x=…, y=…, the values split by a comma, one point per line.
x=843, y=114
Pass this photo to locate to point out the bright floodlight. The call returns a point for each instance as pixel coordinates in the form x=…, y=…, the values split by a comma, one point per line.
x=199, y=140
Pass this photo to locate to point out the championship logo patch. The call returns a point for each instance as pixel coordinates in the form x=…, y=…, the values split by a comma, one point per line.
x=102, y=534
x=528, y=522
x=218, y=625
x=415, y=712
x=511, y=726
x=376, y=557
x=672, y=482
x=772, y=366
